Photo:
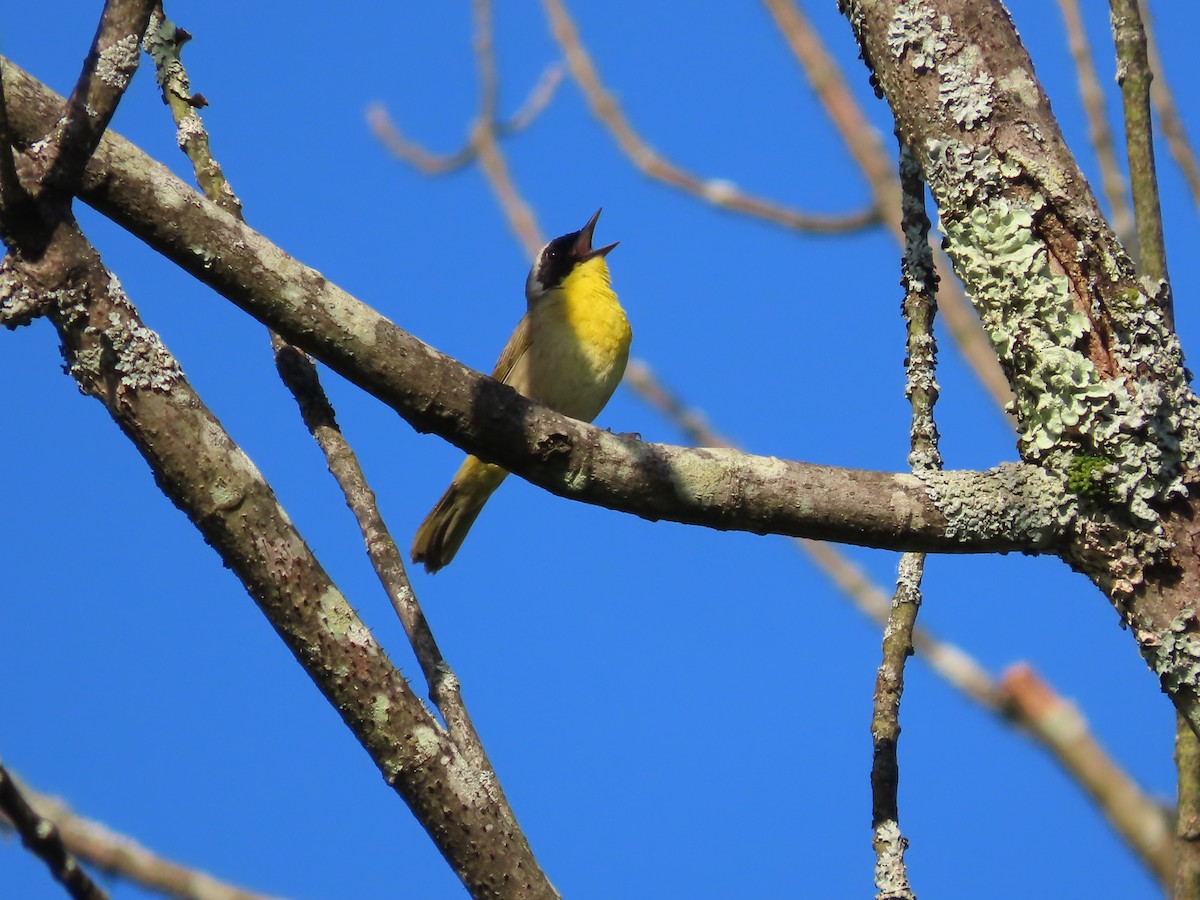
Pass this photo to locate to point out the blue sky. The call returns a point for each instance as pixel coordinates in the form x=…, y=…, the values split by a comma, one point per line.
x=673, y=711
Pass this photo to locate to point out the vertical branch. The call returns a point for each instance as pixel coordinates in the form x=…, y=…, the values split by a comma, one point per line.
x=1187, y=819
x=1112, y=181
x=830, y=86
x=110, y=64
x=920, y=284
x=1170, y=122
x=1134, y=76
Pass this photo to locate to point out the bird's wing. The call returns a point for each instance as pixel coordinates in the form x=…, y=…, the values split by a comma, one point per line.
x=513, y=350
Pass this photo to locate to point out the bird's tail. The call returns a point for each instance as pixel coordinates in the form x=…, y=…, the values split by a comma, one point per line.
x=446, y=526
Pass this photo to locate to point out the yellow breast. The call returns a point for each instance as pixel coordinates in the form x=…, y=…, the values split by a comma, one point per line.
x=578, y=346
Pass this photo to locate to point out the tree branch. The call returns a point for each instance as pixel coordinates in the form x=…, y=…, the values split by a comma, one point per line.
x=1083, y=343
x=118, y=360
x=719, y=192
x=863, y=141
x=1013, y=508
x=107, y=70
x=1134, y=77
x=122, y=857
x=1112, y=181
x=920, y=305
x=43, y=839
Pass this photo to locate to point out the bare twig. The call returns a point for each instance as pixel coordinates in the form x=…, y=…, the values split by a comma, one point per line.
x=487, y=127
x=1057, y=723
x=110, y=64
x=537, y=101
x=1134, y=76
x=44, y=840
x=299, y=373
x=1132, y=813
x=119, y=855
x=1112, y=181
x=1170, y=122
x=864, y=144
x=718, y=192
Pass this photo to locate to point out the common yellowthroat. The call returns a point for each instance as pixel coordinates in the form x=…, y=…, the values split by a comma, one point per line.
x=568, y=352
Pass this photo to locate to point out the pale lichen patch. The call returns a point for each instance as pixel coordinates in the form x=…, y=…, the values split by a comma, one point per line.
x=1063, y=402
x=1012, y=503
x=1174, y=652
x=141, y=360
x=118, y=61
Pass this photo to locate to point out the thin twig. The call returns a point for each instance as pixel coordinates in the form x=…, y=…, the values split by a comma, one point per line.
x=486, y=122
x=1134, y=815
x=863, y=142
x=1134, y=77
x=920, y=306
x=299, y=374
x=1143, y=824
x=537, y=101
x=107, y=70
x=44, y=840
x=1169, y=121
x=1112, y=181
x=718, y=192
x=119, y=855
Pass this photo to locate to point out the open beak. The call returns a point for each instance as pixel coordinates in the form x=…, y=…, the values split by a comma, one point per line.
x=583, y=244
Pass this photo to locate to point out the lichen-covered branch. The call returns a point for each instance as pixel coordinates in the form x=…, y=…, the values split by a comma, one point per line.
x=1102, y=396
x=1009, y=508
x=107, y=70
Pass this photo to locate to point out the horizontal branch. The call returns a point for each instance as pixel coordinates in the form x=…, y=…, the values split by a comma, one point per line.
x=1012, y=508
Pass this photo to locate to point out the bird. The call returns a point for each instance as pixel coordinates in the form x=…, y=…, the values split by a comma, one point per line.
x=568, y=352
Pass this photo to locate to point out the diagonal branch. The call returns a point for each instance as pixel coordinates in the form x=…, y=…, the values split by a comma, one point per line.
x=719, y=192
x=299, y=374
x=115, y=358
x=123, y=857
x=863, y=142
x=110, y=64
x=43, y=838
x=1169, y=119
